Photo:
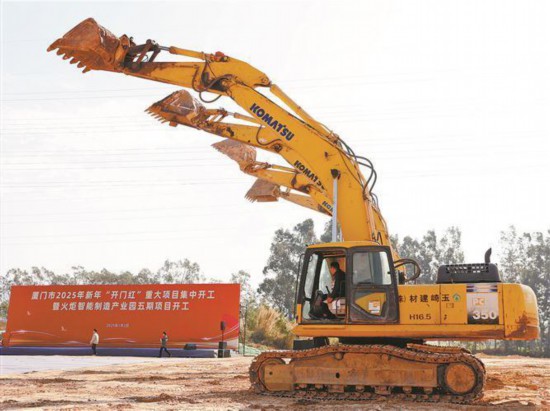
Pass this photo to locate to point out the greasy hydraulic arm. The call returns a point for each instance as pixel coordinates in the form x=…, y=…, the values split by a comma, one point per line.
x=315, y=153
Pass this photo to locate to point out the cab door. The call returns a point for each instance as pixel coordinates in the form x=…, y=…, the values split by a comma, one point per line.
x=372, y=286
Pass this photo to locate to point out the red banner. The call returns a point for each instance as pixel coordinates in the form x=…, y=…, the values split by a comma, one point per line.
x=124, y=315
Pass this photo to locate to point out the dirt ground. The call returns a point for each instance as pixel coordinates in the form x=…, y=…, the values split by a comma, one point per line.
x=197, y=384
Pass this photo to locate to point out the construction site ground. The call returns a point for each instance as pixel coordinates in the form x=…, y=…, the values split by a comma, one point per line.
x=513, y=382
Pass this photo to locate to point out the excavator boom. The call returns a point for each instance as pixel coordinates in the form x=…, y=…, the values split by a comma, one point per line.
x=310, y=148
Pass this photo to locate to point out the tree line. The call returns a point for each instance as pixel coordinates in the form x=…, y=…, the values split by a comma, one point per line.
x=523, y=258
x=171, y=272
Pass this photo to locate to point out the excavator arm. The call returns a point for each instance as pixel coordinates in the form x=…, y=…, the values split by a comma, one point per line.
x=271, y=177
x=317, y=156
x=180, y=108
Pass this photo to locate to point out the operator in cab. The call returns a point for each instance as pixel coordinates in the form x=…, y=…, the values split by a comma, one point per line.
x=338, y=282
x=326, y=304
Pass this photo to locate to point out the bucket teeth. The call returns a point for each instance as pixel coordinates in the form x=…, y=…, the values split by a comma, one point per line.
x=91, y=44
x=263, y=192
x=179, y=107
x=236, y=151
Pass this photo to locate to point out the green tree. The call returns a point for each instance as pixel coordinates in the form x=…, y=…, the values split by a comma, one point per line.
x=99, y=277
x=171, y=272
x=4, y=308
x=525, y=259
x=248, y=294
x=180, y=272
x=511, y=255
x=326, y=235
x=36, y=276
x=431, y=252
x=146, y=276
x=278, y=288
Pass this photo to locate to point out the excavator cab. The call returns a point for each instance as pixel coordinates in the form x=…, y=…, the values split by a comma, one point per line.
x=370, y=285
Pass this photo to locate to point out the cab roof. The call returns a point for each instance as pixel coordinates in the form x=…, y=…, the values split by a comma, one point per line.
x=346, y=244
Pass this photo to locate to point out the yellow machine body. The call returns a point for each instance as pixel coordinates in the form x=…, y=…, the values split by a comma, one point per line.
x=440, y=312
x=385, y=322
x=451, y=311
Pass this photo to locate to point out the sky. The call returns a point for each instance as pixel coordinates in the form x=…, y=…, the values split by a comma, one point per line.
x=449, y=99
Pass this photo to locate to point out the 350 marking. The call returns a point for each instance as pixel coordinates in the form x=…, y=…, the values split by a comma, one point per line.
x=484, y=315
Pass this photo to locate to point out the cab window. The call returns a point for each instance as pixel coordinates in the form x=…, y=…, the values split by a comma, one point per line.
x=310, y=276
x=371, y=267
x=318, y=279
x=325, y=279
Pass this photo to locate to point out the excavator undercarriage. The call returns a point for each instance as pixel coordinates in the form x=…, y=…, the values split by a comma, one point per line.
x=355, y=372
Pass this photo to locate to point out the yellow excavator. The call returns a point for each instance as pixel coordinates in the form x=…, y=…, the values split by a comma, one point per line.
x=381, y=323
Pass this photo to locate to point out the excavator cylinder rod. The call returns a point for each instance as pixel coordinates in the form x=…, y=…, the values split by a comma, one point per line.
x=356, y=372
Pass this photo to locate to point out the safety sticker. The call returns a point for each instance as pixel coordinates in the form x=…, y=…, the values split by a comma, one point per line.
x=482, y=303
x=374, y=307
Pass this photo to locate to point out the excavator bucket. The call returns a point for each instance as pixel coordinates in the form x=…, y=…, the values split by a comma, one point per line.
x=263, y=192
x=236, y=151
x=179, y=107
x=92, y=46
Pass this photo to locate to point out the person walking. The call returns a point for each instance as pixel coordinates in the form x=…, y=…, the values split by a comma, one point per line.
x=163, y=344
x=94, y=341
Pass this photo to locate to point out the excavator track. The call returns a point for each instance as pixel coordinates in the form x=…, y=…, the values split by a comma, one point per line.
x=368, y=372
